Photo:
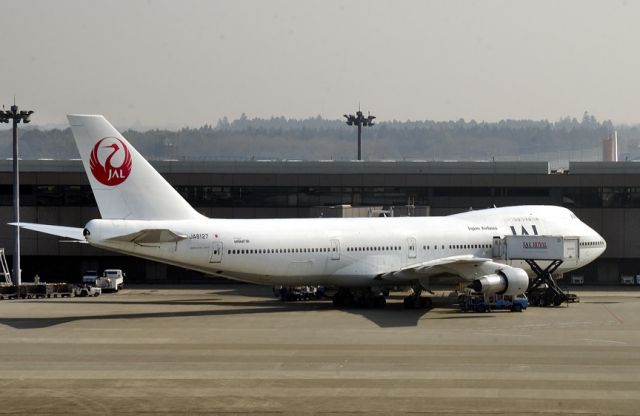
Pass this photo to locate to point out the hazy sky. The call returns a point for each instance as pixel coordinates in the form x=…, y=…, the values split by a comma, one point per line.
x=177, y=63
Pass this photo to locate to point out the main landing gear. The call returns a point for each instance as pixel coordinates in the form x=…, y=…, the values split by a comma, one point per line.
x=360, y=298
x=415, y=300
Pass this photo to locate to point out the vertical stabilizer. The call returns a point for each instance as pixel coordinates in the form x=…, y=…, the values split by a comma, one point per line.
x=124, y=184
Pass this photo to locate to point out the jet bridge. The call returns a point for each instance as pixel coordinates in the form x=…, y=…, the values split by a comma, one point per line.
x=553, y=250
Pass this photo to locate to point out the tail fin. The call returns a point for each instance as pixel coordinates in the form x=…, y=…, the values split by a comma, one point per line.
x=124, y=184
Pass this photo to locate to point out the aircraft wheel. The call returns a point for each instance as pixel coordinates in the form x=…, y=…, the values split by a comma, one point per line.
x=337, y=301
x=409, y=302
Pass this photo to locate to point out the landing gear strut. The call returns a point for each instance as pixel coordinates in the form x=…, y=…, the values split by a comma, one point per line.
x=415, y=301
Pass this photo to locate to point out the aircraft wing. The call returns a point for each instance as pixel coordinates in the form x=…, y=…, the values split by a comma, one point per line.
x=58, y=230
x=151, y=236
x=446, y=266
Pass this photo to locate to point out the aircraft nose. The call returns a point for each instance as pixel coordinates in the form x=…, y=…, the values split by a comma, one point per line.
x=602, y=242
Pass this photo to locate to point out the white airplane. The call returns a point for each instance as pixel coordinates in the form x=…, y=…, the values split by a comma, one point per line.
x=144, y=216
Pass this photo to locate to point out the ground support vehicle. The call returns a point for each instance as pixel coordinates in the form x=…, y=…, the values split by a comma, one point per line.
x=30, y=290
x=112, y=280
x=471, y=302
x=8, y=292
x=512, y=303
x=62, y=290
x=543, y=290
x=85, y=290
x=298, y=293
x=90, y=277
x=476, y=302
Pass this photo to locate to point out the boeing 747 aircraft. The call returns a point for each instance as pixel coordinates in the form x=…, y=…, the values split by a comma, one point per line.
x=144, y=216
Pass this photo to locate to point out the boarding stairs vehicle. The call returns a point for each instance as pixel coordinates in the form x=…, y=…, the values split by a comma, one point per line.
x=5, y=269
x=7, y=289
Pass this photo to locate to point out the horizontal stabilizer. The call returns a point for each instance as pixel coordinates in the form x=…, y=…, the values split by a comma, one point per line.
x=154, y=236
x=73, y=233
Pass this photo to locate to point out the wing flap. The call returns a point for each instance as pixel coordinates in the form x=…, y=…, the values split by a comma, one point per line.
x=446, y=261
x=446, y=266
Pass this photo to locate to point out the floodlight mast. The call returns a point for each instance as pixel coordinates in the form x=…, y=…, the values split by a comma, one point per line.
x=359, y=120
x=16, y=116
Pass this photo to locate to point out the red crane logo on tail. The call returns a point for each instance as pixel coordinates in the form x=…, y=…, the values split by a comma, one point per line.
x=117, y=162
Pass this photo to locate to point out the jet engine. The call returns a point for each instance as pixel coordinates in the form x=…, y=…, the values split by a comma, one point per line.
x=506, y=281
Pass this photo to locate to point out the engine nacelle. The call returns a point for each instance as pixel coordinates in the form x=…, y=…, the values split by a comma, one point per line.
x=506, y=281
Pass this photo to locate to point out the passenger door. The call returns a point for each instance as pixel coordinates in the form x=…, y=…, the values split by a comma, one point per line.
x=335, y=249
x=411, y=246
x=216, y=252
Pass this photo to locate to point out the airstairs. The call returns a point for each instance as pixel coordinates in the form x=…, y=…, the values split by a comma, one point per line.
x=4, y=270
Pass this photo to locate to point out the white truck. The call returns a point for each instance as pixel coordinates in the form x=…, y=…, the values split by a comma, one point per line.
x=90, y=277
x=111, y=280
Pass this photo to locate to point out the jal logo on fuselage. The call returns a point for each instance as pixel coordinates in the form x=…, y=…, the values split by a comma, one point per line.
x=524, y=230
x=110, y=161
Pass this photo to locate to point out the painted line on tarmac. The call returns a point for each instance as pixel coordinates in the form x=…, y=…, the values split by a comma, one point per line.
x=605, y=340
x=613, y=314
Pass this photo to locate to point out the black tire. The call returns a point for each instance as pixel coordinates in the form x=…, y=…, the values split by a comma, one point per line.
x=517, y=307
x=369, y=302
x=409, y=303
x=338, y=300
x=426, y=303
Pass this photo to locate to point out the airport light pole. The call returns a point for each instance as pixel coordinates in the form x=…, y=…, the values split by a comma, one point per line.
x=359, y=120
x=16, y=116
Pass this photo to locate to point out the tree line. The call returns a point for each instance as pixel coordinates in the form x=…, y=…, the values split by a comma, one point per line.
x=315, y=138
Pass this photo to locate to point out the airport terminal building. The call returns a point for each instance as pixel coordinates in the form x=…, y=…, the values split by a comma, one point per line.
x=605, y=195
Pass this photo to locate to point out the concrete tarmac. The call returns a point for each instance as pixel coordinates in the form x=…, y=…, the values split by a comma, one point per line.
x=237, y=350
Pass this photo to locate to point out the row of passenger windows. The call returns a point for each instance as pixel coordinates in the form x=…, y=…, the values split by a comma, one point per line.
x=425, y=247
x=282, y=250
x=333, y=249
x=466, y=246
x=592, y=244
x=385, y=248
